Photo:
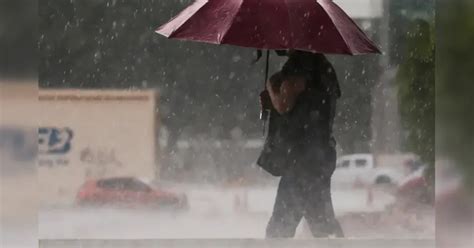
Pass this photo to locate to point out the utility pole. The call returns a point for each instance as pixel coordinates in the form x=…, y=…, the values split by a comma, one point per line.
x=385, y=116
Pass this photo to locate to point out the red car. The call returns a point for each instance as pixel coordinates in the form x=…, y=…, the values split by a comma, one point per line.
x=414, y=188
x=129, y=192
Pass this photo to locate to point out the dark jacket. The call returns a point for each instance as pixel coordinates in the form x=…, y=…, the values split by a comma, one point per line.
x=302, y=139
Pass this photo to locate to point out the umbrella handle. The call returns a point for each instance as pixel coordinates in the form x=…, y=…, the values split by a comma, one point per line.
x=266, y=68
x=263, y=112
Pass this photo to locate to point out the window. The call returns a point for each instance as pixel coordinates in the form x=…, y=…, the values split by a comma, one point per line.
x=136, y=185
x=112, y=184
x=344, y=164
x=130, y=184
x=359, y=163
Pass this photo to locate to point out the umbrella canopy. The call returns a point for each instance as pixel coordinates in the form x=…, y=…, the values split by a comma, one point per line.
x=309, y=25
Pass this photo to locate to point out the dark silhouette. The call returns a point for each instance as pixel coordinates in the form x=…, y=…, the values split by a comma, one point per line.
x=300, y=147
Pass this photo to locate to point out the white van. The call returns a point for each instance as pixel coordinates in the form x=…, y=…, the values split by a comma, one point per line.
x=362, y=169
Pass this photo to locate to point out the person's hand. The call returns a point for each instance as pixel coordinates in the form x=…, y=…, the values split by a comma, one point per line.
x=265, y=100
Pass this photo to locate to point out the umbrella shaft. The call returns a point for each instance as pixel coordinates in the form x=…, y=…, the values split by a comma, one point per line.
x=267, y=66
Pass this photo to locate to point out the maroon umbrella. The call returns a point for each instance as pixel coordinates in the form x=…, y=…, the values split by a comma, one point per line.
x=309, y=25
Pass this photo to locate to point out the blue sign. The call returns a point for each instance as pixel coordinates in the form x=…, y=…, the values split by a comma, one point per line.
x=54, y=141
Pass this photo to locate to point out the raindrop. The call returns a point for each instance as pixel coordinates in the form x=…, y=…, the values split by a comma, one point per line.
x=236, y=58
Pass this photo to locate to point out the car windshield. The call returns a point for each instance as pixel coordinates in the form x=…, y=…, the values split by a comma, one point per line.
x=124, y=184
x=137, y=185
x=343, y=164
x=360, y=163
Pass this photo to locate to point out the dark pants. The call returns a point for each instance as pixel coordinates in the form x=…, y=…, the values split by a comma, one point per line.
x=300, y=195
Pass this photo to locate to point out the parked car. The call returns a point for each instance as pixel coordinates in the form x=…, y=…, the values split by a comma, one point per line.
x=414, y=188
x=129, y=192
x=361, y=169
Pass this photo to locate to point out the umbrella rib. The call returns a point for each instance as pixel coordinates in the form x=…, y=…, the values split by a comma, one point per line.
x=337, y=28
x=179, y=27
x=231, y=23
x=364, y=36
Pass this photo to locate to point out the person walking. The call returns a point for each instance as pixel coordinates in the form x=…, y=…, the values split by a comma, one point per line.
x=299, y=146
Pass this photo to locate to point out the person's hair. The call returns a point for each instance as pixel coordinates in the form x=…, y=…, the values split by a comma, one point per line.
x=315, y=68
x=275, y=81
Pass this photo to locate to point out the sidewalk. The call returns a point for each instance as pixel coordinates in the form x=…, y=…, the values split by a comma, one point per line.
x=241, y=243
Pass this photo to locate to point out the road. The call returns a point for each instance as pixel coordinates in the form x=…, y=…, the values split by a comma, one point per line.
x=214, y=213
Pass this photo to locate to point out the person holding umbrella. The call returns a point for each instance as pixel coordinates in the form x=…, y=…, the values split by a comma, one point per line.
x=300, y=99
x=300, y=147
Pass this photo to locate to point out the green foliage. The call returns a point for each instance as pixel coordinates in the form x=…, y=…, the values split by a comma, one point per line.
x=402, y=15
x=454, y=84
x=416, y=80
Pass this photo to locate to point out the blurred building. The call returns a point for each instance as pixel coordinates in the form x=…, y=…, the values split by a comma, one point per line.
x=18, y=147
x=86, y=134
